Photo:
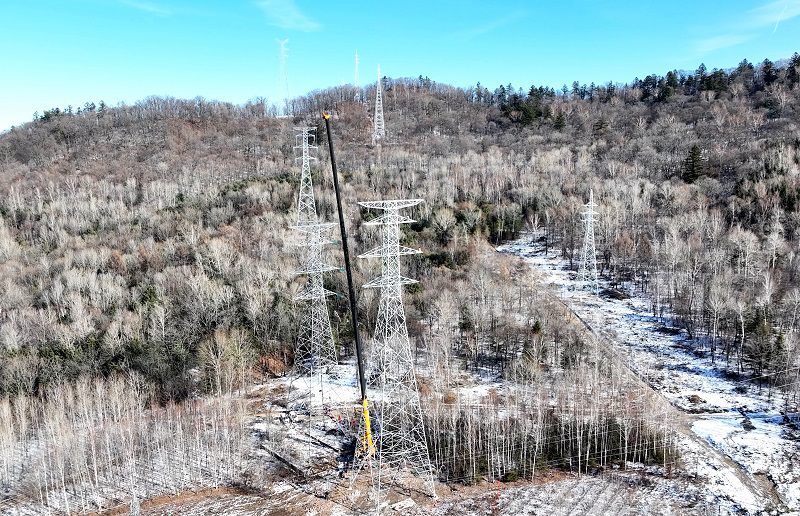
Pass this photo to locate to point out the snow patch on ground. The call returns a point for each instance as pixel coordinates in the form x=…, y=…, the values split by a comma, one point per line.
x=741, y=420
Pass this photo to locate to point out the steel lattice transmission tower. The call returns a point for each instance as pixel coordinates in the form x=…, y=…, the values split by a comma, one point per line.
x=588, y=270
x=315, y=348
x=284, y=77
x=356, y=82
x=379, y=129
x=399, y=430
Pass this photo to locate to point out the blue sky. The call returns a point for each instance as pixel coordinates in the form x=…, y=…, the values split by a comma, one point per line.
x=61, y=52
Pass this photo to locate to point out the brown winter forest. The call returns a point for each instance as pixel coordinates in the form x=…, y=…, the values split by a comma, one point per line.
x=154, y=238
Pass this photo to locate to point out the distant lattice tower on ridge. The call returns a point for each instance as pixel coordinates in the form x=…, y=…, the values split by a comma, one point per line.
x=398, y=430
x=356, y=82
x=588, y=267
x=315, y=349
x=283, y=75
x=379, y=129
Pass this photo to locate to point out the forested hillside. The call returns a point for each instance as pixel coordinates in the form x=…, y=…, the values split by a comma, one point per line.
x=154, y=237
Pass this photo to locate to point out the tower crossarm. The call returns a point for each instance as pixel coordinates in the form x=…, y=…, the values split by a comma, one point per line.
x=380, y=252
x=389, y=281
x=394, y=204
x=309, y=294
x=389, y=218
x=313, y=227
x=591, y=205
x=317, y=268
x=319, y=243
x=304, y=159
x=309, y=130
x=309, y=147
x=316, y=229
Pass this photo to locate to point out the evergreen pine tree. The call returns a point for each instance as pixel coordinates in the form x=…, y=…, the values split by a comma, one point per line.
x=793, y=70
x=693, y=167
x=768, y=72
x=560, y=121
x=701, y=77
x=599, y=127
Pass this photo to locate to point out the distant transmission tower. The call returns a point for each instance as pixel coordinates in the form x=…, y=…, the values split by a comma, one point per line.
x=356, y=81
x=315, y=349
x=399, y=427
x=379, y=131
x=284, y=78
x=588, y=271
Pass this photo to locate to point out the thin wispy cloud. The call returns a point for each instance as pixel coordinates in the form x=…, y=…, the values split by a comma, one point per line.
x=286, y=15
x=779, y=19
x=749, y=26
x=488, y=27
x=708, y=45
x=147, y=7
x=771, y=14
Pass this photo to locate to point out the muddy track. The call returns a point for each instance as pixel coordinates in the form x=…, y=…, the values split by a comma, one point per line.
x=760, y=486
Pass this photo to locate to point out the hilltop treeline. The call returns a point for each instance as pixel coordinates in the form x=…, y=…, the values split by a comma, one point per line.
x=154, y=236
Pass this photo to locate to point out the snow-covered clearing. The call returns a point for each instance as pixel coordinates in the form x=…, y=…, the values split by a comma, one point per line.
x=302, y=425
x=735, y=440
x=738, y=418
